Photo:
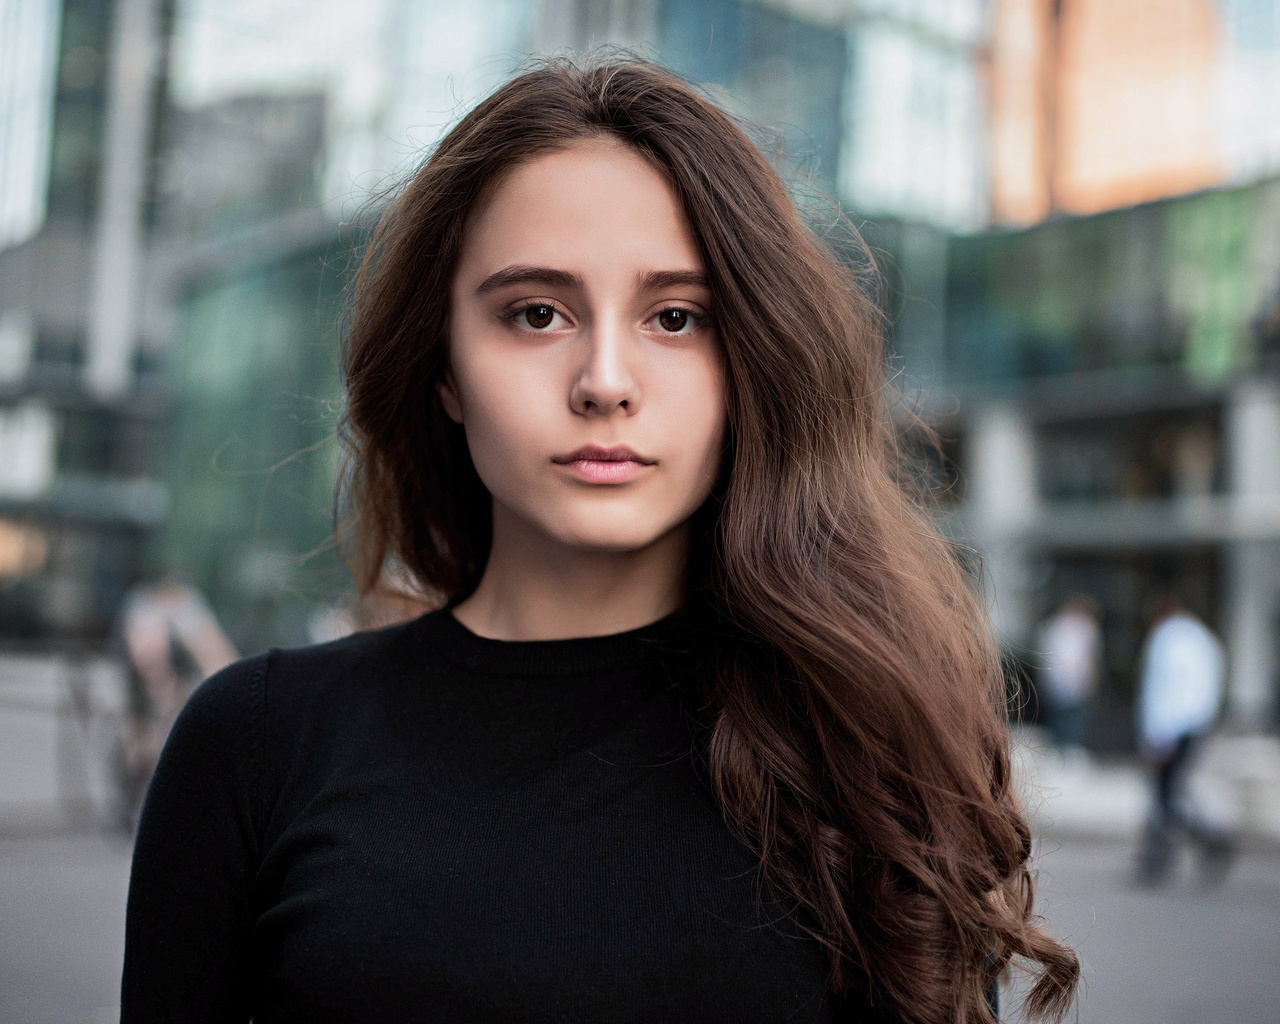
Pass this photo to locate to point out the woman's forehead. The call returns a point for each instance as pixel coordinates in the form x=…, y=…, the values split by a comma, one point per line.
x=596, y=202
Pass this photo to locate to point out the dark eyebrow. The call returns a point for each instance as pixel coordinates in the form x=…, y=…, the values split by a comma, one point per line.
x=655, y=279
x=651, y=280
x=519, y=273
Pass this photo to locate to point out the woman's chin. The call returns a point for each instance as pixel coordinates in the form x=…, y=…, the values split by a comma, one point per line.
x=598, y=535
x=607, y=543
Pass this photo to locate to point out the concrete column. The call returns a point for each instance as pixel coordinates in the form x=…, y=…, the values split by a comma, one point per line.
x=115, y=294
x=1003, y=502
x=1252, y=452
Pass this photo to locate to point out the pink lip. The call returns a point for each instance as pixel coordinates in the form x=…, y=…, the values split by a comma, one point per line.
x=604, y=465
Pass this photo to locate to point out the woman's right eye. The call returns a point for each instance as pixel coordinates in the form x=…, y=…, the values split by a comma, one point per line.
x=539, y=316
x=535, y=316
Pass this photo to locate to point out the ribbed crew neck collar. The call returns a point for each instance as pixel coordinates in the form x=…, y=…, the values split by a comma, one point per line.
x=614, y=652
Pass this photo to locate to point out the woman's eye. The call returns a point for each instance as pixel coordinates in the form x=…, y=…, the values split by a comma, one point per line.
x=539, y=315
x=674, y=320
x=531, y=315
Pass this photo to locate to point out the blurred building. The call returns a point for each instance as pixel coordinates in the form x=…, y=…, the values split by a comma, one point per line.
x=184, y=182
x=1115, y=376
x=117, y=199
x=1120, y=377
x=80, y=405
x=254, y=270
x=1097, y=104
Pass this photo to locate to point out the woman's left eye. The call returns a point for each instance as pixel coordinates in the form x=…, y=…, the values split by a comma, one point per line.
x=674, y=320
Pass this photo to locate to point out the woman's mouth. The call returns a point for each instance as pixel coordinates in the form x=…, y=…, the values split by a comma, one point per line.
x=604, y=465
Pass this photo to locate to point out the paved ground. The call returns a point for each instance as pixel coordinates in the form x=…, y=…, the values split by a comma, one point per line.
x=1179, y=955
x=62, y=903
x=1176, y=955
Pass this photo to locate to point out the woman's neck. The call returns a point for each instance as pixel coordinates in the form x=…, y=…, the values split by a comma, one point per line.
x=533, y=589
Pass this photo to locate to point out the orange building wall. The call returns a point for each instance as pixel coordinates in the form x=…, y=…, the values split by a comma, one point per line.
x=1017, y=83
x=1137, y=102
x=1122, y=110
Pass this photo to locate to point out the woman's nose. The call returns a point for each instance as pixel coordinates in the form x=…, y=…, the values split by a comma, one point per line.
x=606, y=380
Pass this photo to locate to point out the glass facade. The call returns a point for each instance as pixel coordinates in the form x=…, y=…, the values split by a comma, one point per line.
x=1134, y=456
x=393, y=74
x=81, y=112
x=1184, y=284
x=227, y=166
x=914, y=133
x=772, y=67
x=250, y=454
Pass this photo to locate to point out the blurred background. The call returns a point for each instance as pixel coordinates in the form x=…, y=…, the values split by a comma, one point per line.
x=1076, y=204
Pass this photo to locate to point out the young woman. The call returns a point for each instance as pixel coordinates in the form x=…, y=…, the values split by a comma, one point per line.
x=707, y=725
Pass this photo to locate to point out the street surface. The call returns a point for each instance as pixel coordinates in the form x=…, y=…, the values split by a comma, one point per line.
x=61, y=928
x=1178, y=955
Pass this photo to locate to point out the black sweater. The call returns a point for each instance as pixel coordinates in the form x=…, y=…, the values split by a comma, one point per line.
x=422, y=824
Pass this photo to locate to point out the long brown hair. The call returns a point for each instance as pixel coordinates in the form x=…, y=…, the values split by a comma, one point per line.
x=856, y=728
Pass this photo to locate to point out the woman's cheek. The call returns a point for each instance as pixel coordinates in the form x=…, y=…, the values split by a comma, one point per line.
x=704, y=406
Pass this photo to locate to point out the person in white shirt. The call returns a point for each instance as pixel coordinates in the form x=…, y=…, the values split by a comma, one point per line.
x=1182, y=669
x=1069, y=650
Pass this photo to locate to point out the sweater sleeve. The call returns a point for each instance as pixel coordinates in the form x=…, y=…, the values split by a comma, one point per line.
x=189, y=921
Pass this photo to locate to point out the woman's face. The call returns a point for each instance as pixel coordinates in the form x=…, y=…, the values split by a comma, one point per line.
x=580, y=318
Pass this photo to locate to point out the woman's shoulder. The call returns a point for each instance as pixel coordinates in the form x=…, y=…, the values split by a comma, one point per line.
x=315, y=675
x=364, y=649
x=360, y=663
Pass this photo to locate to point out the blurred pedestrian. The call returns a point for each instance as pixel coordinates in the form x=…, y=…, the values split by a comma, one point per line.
x=1180, y=690
x=169, y=639
x=1069, y=646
